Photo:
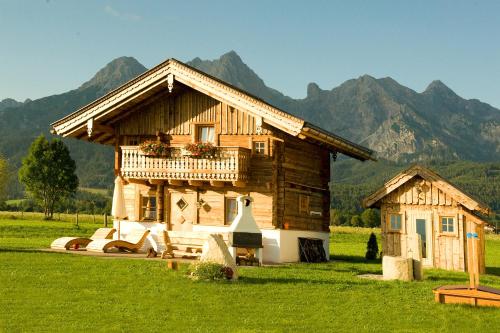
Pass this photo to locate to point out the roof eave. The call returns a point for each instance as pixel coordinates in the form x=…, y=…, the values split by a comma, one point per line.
x=338, y=143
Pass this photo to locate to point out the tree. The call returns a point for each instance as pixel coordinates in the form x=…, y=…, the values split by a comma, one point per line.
x=371, y=247
x=370, y=218
x=4, y=172
x=48, y=172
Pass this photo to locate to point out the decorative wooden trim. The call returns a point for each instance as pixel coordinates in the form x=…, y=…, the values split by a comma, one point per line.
x=173, y=70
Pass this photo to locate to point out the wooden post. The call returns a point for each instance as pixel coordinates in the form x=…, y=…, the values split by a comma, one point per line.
x=77, y=226
x=159, y=203
x=105, y=220
x=118, y=155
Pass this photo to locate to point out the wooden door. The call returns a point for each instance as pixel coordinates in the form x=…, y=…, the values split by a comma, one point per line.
x=421, y=224
x=183, y=210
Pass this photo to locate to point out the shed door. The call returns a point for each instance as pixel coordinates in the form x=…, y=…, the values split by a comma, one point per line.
x=421, y=224
x=421, y=230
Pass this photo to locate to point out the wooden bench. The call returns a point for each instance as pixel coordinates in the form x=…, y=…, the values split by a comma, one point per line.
x=184, y=243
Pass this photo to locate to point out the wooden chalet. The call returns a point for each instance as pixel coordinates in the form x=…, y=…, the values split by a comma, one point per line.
x=280, y=160
x=419, y=201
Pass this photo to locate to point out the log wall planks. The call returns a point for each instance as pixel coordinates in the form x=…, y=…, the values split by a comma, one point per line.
x=175, y=114
x=418, y=198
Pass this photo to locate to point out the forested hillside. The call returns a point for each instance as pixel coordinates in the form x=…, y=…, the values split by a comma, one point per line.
x=353, y=180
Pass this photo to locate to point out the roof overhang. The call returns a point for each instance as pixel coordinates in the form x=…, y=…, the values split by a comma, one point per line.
x=373, y=200
x=165, y=75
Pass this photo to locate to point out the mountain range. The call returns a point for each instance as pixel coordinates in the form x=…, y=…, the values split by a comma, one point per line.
x=399, y=123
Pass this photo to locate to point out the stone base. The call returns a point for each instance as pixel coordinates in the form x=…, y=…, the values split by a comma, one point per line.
x=215, y=250
x=397, y=268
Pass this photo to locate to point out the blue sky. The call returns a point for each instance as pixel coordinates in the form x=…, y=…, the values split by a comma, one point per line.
x=49, y=47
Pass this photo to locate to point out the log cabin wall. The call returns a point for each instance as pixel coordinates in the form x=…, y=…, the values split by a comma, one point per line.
x=290, y=170
x=303, y=176
x=422, y=197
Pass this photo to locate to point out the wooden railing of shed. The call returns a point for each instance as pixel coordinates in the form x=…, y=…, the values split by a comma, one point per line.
x=228, y=164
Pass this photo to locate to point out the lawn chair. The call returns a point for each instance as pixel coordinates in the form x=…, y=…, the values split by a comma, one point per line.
x=132, y=242
x=75, y=243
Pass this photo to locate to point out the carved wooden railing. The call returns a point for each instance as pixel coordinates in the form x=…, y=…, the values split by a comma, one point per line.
x=228, y=164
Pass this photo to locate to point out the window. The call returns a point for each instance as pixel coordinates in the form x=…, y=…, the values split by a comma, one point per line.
x=447, y=224
x=395, y=222
x=148, y=207
x=231, y=210
x=181, y=203
x=206, y=133
x=259, y=148
x=303, y=204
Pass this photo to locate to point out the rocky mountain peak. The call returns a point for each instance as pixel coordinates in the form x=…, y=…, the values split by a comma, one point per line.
x=114, y=74
x=438, y=87
x=313, y=90
x=9, y=103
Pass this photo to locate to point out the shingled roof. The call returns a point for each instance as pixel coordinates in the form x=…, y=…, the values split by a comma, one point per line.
x=403, y=177
x=171, y=70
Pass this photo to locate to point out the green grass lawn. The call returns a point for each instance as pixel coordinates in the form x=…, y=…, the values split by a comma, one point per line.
x=52, y=292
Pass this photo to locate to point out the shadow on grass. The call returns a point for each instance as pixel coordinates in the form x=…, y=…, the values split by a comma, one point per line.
x=23, y=250
x=493, y=270
x=354, y=259
x=287, y=280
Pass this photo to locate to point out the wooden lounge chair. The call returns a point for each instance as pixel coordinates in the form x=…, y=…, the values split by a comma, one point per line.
x=132, y=242
x=68, y=243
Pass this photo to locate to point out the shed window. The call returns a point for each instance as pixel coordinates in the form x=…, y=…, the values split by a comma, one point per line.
x=231, y=210
x=395, y=222
x=206, y=134
x=447, y=224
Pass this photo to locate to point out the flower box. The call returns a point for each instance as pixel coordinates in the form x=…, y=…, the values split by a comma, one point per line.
x=154, y=149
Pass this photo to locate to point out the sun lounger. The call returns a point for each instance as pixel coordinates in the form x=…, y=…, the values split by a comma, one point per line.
x=132, y=242
x=69, y=243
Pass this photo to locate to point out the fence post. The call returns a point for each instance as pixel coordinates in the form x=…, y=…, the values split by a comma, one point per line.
x=77, y=226
x=105, y=220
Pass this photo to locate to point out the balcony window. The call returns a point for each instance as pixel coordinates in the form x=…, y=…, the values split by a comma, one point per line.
x=259, y=148
x=206, y=134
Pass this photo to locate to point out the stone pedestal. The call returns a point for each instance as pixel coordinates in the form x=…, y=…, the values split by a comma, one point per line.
x=215, y=250
x=397, y=268
x=415, y=252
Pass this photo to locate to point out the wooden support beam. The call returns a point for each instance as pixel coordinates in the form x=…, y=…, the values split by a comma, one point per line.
x=216, y=183
x=195, y=182
x=175, y=182
x=156, y=181
x=118, y=157
x=104, y=128
x=239, y=183
x=138, y=181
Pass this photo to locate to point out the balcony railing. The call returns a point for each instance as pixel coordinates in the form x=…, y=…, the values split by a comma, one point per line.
x=228, y=164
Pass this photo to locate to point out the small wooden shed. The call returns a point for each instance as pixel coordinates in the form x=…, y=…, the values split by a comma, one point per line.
x=419, y=201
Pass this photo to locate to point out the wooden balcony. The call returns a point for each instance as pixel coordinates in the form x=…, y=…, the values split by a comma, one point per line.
x=230, y=164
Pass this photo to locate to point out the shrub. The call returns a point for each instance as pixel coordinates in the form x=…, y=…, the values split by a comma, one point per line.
x=209, y=271
x=356, y=221
x=371, y=247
